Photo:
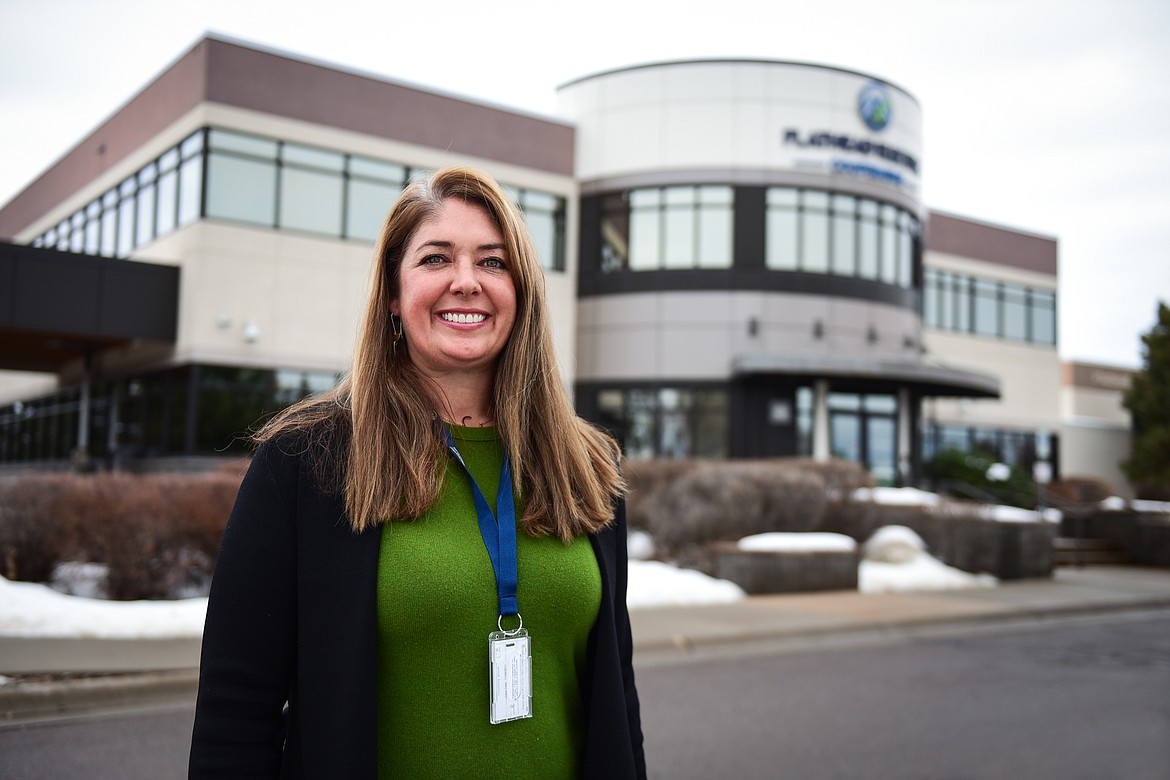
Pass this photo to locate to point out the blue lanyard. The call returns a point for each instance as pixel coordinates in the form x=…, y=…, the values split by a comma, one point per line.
x=499, y=537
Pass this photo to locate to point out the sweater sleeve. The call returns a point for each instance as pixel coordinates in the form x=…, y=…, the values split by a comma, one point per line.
x=249, y=640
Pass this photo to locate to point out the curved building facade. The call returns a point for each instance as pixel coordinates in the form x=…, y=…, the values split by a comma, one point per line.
x=751, y=263
x=738, y=259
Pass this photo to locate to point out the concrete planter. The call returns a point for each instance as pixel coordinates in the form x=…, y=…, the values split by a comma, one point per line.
x=786, y=572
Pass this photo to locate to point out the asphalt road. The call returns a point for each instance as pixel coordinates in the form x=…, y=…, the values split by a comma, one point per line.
x=1072, y=699
x=1085, y=698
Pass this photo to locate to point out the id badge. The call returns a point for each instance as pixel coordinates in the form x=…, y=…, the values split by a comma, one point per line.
x=510, y=656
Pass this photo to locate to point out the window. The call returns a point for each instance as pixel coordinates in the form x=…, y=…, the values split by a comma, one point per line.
x=666, y=422
x=545, y=216
x=241, y=178
x=822, y=233
x=988, y=308
x=146, y=204
x=782, y=228
x=126, y=217
x=191, y=179
x=1043, y=317
x=814, y=232
x=311, y=187
x=844, y=235
x=247, y=178
x=372, y=187
x=667, y=228
x=1015, y=312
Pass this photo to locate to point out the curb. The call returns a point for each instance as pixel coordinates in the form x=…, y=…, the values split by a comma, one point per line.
x=680, y=645
x=34, y=700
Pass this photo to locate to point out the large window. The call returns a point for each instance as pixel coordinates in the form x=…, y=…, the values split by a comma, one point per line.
x=988, y=308
x=189, y=410
x=239, y=177
x=666, y=422
x=822, y=233
x=1014, y=447
x=862, y=428
x=667, y=228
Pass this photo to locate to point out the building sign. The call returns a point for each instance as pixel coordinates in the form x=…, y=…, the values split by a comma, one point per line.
x=859, y=156
x=824, y=140
x=874, y=106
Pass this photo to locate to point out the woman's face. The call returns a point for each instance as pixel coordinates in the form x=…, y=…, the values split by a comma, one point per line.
x=456, y=298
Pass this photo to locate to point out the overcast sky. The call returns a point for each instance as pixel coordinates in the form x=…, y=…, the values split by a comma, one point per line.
x=1051, y=116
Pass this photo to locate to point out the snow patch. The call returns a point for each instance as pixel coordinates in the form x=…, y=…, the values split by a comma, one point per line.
x=921, y=574
x=639, y=546
x=893, y=544
x=29, y=609
x=656, y=584
x=890, y=496
x=1014, y=514
x=798, y=542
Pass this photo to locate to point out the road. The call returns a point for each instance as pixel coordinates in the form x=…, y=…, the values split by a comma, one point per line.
x=1074, y=699
x=1085, y=698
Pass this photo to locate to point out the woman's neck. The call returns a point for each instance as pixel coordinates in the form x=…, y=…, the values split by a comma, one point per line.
x=465, y=401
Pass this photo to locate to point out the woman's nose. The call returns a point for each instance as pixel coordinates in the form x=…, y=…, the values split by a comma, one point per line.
x=465, y=280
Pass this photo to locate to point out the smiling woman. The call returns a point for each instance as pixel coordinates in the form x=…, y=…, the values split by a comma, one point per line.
x=343, y=642
x=457, y=303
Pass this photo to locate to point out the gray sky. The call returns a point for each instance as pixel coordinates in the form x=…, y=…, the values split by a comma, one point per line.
x=1051, y=116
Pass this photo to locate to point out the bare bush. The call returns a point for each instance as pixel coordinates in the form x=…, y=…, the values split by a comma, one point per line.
x=685, y=505
x=158, y=533
x=1081, y=490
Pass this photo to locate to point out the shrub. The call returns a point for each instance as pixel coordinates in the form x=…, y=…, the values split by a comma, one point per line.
x=157, y=533
x=684, y=505
x=1081, y=490
x=971, y=475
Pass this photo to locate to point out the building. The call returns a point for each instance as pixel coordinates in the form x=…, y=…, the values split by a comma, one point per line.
x=738, y=260
x=1095, y=425
x=265, y=193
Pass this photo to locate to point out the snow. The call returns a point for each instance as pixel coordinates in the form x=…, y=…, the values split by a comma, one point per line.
x=34, y=610
x=639, y=546
x=1119, y=504
x=657, y=584
x=798, y=542
x=896, y=561
x=893, y=544
x=29, y=609
x=923, y=573
x=1014, y=514
x=890, y=496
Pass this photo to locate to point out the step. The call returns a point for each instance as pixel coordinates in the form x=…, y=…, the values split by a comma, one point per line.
x=1069, y=551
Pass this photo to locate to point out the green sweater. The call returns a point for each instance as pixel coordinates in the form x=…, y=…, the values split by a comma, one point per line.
x=436, y=607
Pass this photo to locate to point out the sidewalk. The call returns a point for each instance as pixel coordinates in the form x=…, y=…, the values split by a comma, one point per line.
x=144, y=671
x=663, y=632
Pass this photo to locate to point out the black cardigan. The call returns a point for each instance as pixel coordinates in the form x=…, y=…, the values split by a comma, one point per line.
x=291, y=619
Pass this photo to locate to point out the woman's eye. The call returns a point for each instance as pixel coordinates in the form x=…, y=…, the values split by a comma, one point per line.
x=494, y=262
x=433, y=260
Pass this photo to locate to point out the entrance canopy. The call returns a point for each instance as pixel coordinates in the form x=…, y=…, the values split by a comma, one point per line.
x=57, y=307
x=928, y=379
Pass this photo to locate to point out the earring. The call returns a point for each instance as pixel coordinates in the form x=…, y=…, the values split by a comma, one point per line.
x=395, y=330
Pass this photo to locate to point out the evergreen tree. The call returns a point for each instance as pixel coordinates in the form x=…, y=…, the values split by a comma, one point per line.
x=1148, y=400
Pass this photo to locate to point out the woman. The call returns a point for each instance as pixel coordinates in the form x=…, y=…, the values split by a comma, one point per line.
x=348, y=622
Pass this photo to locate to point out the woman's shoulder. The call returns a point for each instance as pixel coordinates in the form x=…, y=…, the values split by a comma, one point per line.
x=311, y=442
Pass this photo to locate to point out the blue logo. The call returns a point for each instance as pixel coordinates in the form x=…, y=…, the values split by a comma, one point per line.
x=873, y=104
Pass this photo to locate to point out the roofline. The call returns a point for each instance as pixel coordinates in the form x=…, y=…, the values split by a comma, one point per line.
x=740, y=61
x=276, y=51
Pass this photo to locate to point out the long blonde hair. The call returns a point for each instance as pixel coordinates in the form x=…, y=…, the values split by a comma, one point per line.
x=376, y=437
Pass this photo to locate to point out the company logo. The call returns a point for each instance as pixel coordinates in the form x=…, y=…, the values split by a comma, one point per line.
x=873, y=104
